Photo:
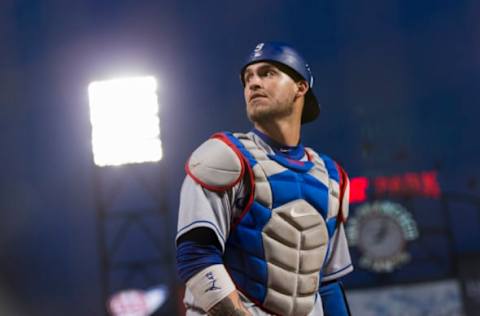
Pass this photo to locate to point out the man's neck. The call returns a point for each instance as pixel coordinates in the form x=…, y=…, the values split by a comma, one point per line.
x=283, y=132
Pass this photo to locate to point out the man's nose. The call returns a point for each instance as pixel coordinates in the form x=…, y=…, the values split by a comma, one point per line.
x=254, y=82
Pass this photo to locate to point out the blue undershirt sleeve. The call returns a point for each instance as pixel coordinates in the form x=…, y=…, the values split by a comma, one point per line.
x=334, y=301
x=192, y=257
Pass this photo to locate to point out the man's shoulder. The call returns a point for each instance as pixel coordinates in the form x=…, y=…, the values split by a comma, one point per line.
x=334, y=168
x=216, y=164
x=221, y=146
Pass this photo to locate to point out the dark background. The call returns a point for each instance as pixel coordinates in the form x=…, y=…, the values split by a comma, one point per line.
x=398, y=81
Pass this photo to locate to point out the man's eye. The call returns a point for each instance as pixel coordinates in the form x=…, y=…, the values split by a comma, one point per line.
x=270, y=73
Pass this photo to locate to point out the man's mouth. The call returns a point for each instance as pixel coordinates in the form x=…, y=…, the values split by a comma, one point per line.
x=257, y=95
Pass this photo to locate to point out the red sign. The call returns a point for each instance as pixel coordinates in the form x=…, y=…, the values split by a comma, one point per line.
x=408, y=184
x=358, y=189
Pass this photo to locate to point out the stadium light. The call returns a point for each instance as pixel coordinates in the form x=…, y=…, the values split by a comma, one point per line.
x=125, y=122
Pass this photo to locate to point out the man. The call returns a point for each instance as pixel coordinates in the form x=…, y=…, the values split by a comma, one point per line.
x=261, y=219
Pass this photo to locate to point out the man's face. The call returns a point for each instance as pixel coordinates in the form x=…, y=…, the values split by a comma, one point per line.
x=269, y=92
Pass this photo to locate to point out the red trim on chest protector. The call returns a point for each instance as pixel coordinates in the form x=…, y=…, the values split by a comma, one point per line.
x=343, y=178
x=309, y=157
x=251, y=178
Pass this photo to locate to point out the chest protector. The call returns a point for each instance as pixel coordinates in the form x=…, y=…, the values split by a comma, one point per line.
x=278, y=245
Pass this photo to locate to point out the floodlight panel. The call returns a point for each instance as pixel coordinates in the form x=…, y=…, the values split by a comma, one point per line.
x=125, y=123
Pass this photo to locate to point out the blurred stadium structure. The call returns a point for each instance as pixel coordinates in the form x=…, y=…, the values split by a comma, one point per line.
x=434, y=273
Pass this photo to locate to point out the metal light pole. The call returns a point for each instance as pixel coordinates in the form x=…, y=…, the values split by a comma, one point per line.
x=133, y=222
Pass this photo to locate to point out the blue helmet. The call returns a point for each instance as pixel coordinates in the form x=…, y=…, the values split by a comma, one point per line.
x=287, y=56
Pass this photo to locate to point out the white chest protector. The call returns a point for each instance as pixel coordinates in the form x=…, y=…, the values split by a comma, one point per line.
x=278, y=245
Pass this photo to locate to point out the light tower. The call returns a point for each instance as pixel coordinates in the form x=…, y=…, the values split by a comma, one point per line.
x=133, y=222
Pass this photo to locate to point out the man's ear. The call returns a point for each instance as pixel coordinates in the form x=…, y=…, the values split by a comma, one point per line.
x=302, y=88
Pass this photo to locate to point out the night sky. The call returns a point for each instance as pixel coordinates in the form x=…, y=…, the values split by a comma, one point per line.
x=398, y=83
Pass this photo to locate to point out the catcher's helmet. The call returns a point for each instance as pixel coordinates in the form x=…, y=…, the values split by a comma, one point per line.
x=286, y=55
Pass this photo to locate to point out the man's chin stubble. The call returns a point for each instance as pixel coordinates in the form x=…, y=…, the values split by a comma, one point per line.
x=265, y=117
